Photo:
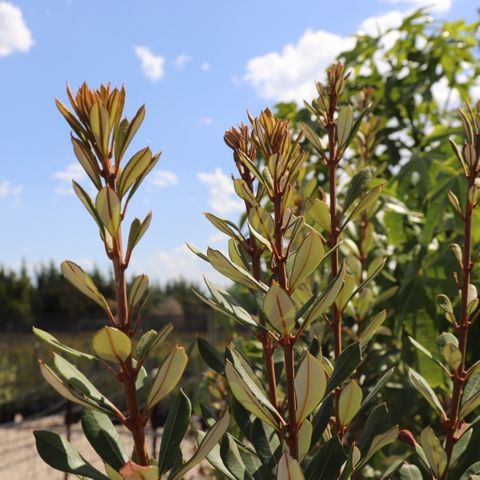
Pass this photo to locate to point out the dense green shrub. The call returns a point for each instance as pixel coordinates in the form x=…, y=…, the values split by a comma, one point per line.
x=343, y=365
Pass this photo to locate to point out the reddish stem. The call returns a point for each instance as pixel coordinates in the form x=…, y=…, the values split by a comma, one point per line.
x=287, y=340
x=459, y=376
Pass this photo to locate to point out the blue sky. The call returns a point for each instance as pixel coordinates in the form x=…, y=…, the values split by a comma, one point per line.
x=198, y=65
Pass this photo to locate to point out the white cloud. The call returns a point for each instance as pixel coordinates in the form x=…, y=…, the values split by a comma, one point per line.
x=181, y=61
x=378, y=24
x=163, y=178
x=9, y=190
x=433, y=5
x=14, y=33
x=221, y=196
x=446, y=97
x=178, y=262
x=290, y=74
x=206, y=121
x=152, y=65
x=73, y=171
x=205, y=66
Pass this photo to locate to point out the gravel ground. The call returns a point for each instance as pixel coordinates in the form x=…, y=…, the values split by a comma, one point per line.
x=19, y=460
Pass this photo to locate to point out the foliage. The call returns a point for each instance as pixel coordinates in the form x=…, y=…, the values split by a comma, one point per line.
x=100, y=140
x=351, y=356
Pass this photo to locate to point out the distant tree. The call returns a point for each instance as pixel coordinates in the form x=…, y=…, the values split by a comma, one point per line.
x=15, y=299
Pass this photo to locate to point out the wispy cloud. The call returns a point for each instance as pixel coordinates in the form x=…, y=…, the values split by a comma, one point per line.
x=175, y=263
x=163, y=178
x=221, y=195
x=206, y=121
x=15, y=36
x=73, y=171
x=9, y=190
x=205, y=67
x=152, y=65
x=181, y=61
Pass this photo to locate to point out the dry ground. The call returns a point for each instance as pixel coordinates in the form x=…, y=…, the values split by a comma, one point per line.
x=19, y=460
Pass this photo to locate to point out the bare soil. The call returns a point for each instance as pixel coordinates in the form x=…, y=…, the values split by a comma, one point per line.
x=20, y=461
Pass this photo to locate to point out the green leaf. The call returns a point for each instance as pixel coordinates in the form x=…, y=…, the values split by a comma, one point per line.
x=376, y=422
x=103, y=437
x=310, y=383
x=176, y=427
x=344, y=125
x=312, y=137
x=279, y=308
x=409, y=472
x=87, y=202
x=357, y=186
x=349, y=402
x=134, y=170
x=289, y=469
x=422, y=386
x=206, y=445
x=319, y=212
x=326, y=298
x=87, y=161
x=448, y=346
x=82, y=281
x=232, y=271
x=168, y=376
x=112, y=344
x=126, y=131
x=108, y=208
x=150, y=340
x=471, y=471
x=244, y=192
x=427, y=353
x=211, y=356
x=61, y=386
x=380, y=441
x=307, y=258
x=225, y=226
x=232, y=459
x=371, y=327
x=223, y=302
x=80, y=384
x=345, y=365
x=100, y=125
x=471, y=395
x=263, y=442
x=252, y=398
x=304, y=439
x=321, y=419
x=59, y=346
x=137, y=291
x=137, y=231
x=378, y=386
x=59, y=454
x=366, y=202
x=460, y=447
x=436, y=456
x=327, y=461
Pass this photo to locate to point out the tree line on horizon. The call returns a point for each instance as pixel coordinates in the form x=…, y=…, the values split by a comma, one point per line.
x=45, y=297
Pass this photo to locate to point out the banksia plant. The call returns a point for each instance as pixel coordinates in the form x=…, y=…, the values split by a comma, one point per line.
x=100, y=141
x=296, y=411
x=440, y=447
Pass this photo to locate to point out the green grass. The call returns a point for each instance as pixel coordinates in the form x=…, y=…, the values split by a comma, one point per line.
x=22, y=388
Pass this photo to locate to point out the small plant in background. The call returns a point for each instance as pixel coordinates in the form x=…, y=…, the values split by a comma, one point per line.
x=443, y=456
x=300, y=413
x=100, y=140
